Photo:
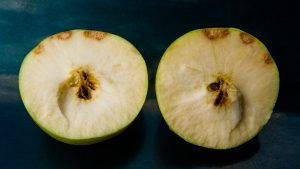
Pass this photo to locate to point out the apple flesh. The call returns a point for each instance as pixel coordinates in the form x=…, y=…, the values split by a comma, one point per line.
x=217, y=87
x=83, y=86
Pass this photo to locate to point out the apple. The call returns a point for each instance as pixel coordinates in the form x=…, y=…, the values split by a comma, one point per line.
x=217, y=87
x=83, y=86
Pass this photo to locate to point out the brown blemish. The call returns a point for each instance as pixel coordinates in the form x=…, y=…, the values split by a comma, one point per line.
x=215, y=33
x=95, y=35
x=246, y=38
x=267, y=58
x=64, y=35
x=39, y=49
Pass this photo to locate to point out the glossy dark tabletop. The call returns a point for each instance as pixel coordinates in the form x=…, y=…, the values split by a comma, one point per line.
x=151, y=26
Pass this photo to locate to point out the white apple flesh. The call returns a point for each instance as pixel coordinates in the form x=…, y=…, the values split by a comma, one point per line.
x=83, y=86
x=217, y=87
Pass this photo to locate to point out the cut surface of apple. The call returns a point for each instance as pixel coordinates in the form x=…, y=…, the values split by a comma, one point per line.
x=83, y=86
x=217, y=87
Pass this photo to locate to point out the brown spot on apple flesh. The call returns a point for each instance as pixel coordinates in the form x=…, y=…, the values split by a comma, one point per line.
x=215, y=33
x=64, y=35
x=246, y=38
x=95, y=35
x=39, y=49
x=267, y=58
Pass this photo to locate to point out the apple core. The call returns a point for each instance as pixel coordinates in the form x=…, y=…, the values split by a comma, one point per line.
x=85, y=83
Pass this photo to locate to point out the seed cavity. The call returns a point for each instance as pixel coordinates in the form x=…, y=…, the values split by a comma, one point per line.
x=214, y=86
x=64, y=35
x=219, y=98
x=87, y=85
x=267, y=58
x=85, y=82
x=39, y=49
x=95, y=35
x=216, y=33
x=220, y=87
x=84, y=93
x=246, y=38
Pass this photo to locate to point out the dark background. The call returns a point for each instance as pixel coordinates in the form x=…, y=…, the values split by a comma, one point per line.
x=151, y=26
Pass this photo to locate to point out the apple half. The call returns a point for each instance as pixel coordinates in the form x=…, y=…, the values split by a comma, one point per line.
x=217, y=87
x=83, y=86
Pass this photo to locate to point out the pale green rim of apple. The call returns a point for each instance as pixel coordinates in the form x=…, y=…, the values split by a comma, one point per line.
x=97, y=139
x=190, y=140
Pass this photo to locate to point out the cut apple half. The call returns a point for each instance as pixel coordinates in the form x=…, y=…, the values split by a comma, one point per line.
x=217, y=87
x=83, y=86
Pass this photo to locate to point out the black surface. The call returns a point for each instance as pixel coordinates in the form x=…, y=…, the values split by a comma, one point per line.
x=151, y=26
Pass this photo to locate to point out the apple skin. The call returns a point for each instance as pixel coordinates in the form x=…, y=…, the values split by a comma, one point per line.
x=81, y=141
x=189, y=140
x=87, y=141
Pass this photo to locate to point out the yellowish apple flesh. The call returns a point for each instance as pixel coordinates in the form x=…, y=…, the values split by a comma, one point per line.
x=217, y=87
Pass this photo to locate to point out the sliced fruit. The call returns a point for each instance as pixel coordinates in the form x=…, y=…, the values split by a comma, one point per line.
x=83, y=86
x=217, y=87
